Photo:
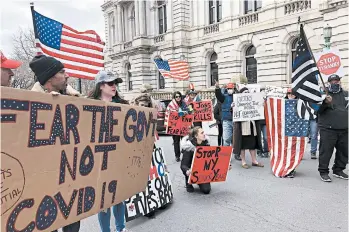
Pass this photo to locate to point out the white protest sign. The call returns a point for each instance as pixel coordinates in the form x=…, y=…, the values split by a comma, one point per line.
x=273, y=91
x=248, y=106
x=158, y=192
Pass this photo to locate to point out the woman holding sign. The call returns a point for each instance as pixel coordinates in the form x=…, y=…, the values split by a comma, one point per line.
x=106, y=90
x=177, y=104
x=245, y=138
x=195, y=138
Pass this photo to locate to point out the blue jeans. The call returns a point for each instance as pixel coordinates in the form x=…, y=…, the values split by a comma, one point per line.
x=119, y=215
x=227, y=133
x=265, y=140
x=314, y=131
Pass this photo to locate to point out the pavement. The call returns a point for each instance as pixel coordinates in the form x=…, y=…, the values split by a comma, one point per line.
x=250, y=200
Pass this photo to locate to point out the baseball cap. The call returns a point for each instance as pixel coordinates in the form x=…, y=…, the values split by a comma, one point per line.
x=230, y=86
x=106, y=76
x=333, y=77
x=7, y=63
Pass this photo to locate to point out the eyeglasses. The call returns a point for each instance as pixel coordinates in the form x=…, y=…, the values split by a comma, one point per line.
x=111, y=83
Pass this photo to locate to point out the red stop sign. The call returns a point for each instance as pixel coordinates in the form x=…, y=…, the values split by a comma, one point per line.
x=329, y=63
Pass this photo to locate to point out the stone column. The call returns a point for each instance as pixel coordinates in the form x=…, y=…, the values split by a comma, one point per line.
x=136, y=2
x=120, y=29
x=142, y=30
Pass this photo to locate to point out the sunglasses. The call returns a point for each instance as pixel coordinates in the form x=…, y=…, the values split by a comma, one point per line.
x=111, y=83
x=177, y=96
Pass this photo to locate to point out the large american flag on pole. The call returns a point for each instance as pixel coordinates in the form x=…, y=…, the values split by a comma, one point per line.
x=286, y=135
x=80, y=52
x=176, y=69
x=305, y=84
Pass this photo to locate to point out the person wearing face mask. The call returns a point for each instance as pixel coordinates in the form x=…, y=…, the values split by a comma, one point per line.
x=226, y=98
x=177, y=104
x=333, y=124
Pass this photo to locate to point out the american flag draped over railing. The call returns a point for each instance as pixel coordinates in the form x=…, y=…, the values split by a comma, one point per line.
x=286, y=135
x=80, y=52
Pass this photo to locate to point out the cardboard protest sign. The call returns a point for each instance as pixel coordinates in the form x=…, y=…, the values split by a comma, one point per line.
x=158, y=192
x=210, y=164
x=203, y=111
x=248, y=106
x=67, y=158
x=177, y=125
x=329, y=62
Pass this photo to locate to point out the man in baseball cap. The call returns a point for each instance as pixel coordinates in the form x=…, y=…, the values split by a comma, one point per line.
x=6, y=69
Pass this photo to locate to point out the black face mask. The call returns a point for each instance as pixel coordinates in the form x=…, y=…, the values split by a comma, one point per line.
x=334, y=88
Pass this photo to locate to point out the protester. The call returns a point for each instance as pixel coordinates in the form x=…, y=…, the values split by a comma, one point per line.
x=225, y=97
x=245, y=138
x=262, y=134
x=217, y=112
x=106, y=90
x=195, y=138
x=333, y=124
x=177, y=104
x=52, y=79
x=146, y=89
x=191, y=97
x=6, y=69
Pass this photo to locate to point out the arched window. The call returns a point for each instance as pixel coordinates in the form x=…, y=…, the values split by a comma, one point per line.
x=161, y=81
x=215, y=11
x=251, y=65
x=292, y=56
x=213, y=69
x=129, y=77
x=162, y=17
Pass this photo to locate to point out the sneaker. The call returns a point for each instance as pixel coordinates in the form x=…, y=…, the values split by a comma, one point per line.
x=341, y=175
x=313, y=155
x=178, y=159
x=291, y=174
x=325, y=177
x=189, y=188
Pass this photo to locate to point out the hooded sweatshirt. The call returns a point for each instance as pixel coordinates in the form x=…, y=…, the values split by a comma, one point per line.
x=188, y=148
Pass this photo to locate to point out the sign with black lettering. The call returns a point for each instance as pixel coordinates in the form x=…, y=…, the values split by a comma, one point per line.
x=210, y=164
x=203, y=111
x=158, y=192
x=67, y=158
x=248, y=107
x=179, y=125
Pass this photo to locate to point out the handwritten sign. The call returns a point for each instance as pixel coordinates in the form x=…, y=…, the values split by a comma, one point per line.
x=177, y=125
x=210, y=164
x=273, y=91
x=248, y=106
x=67, y=158
x=158, y=192
x=203, y=111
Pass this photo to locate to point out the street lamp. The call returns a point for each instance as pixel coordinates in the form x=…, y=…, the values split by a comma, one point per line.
x=327, y=36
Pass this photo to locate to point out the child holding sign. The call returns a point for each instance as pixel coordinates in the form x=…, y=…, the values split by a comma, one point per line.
x=195, y=138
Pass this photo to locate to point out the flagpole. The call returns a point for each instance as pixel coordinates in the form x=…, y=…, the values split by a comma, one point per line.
x=311, y=53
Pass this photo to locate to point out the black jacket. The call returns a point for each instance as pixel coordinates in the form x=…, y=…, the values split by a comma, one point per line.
x=334, y=115
x=217, y=112
x=188, y=149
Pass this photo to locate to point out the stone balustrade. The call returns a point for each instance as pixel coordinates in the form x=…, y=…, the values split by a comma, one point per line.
x=297, y=6
x=248, y=19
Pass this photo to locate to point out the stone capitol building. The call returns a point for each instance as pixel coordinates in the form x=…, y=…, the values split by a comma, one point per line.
x=219, y=39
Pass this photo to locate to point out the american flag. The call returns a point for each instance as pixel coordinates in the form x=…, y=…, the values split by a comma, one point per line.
x=80, y=52
x=286, y=135
x=176, y=69
x=304, y=70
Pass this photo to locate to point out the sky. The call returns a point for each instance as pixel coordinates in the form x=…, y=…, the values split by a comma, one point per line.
x=79, y=14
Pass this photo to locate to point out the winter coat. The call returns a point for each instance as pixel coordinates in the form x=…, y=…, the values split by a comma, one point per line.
x=226, y=100
x=335, y=114
x=237, y=138
x=68, y=91
x=217, y=112
x=188, y=148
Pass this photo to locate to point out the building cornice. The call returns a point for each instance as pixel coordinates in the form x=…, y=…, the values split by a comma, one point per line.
x=106, y=5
